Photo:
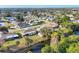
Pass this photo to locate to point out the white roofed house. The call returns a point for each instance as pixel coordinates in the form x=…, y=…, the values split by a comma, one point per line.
x=29, y=32
x=54, y=25
x=23, y=25
x=71, y=16
x=2, y=23
x=15, y=25
x=3, y=27
x=50, y=18
x=10, y=19
x=75, y=21
x=10, y=36
x=27, y=18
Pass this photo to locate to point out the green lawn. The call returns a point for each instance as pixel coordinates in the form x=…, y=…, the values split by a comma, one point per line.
x=9, y=43
x=35, y=38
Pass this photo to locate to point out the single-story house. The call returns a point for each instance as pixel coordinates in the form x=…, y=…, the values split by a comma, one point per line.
x=2, y=24
x=29, y=32
x=1, y=21
x=24, y=25
x=54, y=25
x=10, y=18
x=4, y=30
x=50, y=18
x=10, y=36
x=75, y=21
x=14, y=27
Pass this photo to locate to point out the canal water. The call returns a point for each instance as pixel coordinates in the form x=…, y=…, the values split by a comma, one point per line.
x=77, y=32
x=37, y=48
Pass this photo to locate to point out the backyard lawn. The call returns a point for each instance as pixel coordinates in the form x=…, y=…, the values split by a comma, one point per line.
x=35, y=38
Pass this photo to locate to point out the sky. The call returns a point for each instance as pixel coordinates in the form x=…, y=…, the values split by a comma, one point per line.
x=39, y=6
x=39, y=2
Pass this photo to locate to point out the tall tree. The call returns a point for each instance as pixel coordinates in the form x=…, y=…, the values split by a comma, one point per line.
x=46, y=49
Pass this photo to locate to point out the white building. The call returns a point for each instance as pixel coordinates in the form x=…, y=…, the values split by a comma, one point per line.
x=75, y=21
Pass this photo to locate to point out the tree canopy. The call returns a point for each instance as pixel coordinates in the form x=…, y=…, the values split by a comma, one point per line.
x=46, y=49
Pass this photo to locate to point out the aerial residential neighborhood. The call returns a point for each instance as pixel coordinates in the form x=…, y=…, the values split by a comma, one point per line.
x=39, y=30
